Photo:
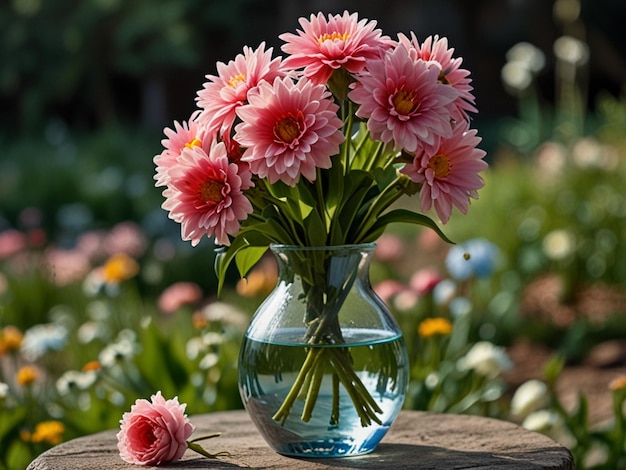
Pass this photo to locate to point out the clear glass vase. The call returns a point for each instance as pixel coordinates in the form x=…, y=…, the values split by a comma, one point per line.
x=323, y=368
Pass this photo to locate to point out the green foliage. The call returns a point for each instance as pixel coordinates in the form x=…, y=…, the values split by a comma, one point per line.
x=69, y=54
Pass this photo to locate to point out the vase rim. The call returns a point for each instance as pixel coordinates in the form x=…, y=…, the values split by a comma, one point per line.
x=367, y=246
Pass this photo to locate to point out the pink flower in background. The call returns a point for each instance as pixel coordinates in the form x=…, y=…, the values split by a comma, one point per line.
x=12, y=242
x=403, y=101
x=178, y=295
x=64, y=267
x=436, y=49
x=125, y=237
x=184, y=135
x=388, y=289
x=289, y=129
x=425, y=280
x=154, y=432
x=91, y=244
x=389, y=247
x=225, y=92
x=450, y=175
x=323, y=46
x=204, y=195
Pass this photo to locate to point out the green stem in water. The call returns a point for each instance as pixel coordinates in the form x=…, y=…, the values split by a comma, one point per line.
x=334, y=415
x=316, y=376
x=283, y=412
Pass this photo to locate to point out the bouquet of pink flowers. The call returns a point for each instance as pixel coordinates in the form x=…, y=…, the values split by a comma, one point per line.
x=315, y=148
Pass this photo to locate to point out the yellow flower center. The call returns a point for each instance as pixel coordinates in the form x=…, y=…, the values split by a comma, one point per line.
x=193, y=143
x=211, y=191
x=235, y=81
x=434, y=326
x=440, y=165
x=405, y=102
x=334, y=36
x=442, y=78
x=287, y=129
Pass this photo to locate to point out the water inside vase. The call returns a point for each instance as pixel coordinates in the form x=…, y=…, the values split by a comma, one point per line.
x=268, y=370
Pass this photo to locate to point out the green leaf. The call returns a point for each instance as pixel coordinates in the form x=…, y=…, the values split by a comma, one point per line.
x=316, y=229
x=358, y=185
x=552, y=369
x=258, y=235
x=409, y=217
x=10, y=422
x=224, y=258
x=245, y=259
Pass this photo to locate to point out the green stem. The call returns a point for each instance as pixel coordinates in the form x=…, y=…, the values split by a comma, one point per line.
x=334, y=415
x=382, y=202
x=283, y=412
x=317, y=374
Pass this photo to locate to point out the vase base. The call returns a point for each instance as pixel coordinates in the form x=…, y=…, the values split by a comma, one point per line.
x=330, y=448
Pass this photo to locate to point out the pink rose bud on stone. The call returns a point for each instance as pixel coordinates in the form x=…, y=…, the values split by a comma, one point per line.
x=154, y=432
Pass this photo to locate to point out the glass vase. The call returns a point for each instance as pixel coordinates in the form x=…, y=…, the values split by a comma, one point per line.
x=323, y=367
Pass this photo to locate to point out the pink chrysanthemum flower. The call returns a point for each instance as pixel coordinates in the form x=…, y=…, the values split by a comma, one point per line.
x=184, y=135
x=204, y=195
x=235, y=152
x=323, y=46
x=436, y=48
x=226, y=91
x=289, y=129
x=403, y=101
x=450, y=176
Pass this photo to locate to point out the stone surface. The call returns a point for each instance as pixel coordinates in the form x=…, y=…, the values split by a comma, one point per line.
x=417, y=440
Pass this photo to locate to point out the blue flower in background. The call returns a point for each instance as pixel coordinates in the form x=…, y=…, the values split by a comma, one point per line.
x=41, y=338
x=474, y=258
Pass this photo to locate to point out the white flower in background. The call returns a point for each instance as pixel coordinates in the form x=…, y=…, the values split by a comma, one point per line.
x=541, y=421
x=73, y=380
x=486, y=359
x=194, y=347
x=588, y=152
x=92, y=330
x=527, y=55
x=571, y=50
x=523, y=62
x=124, y=347
x=226, y=314
x=516, y=77
x=529, y=397
x=445, y=291
x=209, y=360
x=559, y=244
x=40, y=339
x=4, y=390
x=198, y=345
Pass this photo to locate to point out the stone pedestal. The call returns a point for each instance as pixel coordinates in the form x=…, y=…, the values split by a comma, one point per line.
x=417, y=440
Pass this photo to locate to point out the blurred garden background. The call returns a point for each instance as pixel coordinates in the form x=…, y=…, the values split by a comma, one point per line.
x=101, y=303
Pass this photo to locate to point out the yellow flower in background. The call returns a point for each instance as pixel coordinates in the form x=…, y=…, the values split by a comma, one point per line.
x=92, y=366
x=618, y=384
x=10, y=339
x=434, y=326
x=260, y=281
x=118, y=268
x=27, y=375
x=50, y=432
